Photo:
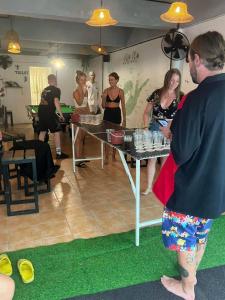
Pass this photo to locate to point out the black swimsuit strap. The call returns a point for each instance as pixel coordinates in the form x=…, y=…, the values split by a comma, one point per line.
x=116, y=100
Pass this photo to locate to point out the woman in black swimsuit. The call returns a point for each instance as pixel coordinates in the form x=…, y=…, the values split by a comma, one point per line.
x=112, y=100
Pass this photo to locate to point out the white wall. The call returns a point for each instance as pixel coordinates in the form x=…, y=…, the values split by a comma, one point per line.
x=138, y=77
x=152, y=66
x=191, y=32
x=16, y=99
x=66, y=79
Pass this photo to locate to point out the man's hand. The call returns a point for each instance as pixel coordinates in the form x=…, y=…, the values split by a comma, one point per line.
x=84, y=88
x=62, y=119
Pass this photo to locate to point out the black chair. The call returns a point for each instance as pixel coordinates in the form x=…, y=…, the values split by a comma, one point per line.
x=44, y=163
x=12, y=172
x=3, y=120
x=19, y=157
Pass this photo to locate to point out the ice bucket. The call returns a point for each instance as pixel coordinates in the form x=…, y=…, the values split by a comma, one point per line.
x=117, y=137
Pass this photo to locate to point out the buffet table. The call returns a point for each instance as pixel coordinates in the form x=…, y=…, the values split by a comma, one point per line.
x=102, y=133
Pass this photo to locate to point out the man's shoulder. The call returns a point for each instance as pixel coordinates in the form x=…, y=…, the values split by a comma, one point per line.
x=54, y=88
x=49, y=88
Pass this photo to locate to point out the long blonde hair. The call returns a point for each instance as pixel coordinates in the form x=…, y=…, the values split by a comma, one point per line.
x=79, y=74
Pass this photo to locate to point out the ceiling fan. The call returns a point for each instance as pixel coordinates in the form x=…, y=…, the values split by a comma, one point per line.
x=175, y=45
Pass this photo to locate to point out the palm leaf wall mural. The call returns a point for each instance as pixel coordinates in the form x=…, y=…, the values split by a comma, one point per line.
x=132, y=94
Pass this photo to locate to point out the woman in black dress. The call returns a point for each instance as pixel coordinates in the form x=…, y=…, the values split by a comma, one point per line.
x=113, y=102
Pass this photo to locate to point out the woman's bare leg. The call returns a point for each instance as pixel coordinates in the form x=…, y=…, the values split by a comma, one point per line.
x=79, y=144
x=107, y=149
x=162, y=161
x=150, y=175
x=114, y=154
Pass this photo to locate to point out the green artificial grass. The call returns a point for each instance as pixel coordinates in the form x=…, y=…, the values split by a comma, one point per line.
x=89, y=266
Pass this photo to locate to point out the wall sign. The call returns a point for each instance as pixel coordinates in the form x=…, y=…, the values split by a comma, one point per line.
x=24, y=73
x=130, y=58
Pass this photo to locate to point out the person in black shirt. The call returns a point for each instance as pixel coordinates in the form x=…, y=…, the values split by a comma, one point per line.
x=48, y=120
x=198, y=148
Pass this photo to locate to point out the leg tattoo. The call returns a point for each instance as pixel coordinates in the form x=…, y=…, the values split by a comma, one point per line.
x=183, y=272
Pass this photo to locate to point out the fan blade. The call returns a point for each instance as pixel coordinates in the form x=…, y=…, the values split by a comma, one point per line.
x=168, y=49
x=184, y=48
x=178, y=41
x=168, y=39
x=176, y=54
x=175, y=45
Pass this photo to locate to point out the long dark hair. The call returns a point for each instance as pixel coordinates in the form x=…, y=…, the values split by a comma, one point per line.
x=115, y=75
x=167, y=79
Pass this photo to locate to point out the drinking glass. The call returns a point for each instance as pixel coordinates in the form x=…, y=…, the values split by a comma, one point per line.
x=158, y=139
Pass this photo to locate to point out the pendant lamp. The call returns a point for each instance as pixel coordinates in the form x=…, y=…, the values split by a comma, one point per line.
x=13, y=41
x=98, y=48
x=101, y=17
x=177, y=13
x=14, y=46
x=57, y=62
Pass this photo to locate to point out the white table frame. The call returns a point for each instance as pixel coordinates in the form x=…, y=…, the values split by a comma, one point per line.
x=74, y=137
x=135, y=184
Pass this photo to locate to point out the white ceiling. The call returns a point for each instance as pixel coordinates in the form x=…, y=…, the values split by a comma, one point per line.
x=43, y=24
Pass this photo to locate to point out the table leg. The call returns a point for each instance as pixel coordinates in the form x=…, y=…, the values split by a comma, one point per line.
x=137, y=198
x=102, y=154
x=74, y=137
x=72, y=133
x=136, y=191
x=35, y=185
x=7, y=189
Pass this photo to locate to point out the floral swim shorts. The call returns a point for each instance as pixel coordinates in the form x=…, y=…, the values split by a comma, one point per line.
x=183, y=232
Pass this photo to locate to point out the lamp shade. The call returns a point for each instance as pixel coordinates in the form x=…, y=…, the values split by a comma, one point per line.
x=99, y=49
x=13, y=42
x=101, y=17
x=177, y=13
x=14, y=47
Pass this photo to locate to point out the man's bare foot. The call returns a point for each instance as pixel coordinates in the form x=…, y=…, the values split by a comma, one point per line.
x=175, y=286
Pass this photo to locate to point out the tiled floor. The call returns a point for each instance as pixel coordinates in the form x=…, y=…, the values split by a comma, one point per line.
x=94, y=202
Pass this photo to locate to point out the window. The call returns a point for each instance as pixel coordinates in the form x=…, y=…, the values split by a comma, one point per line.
x=38, y=81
